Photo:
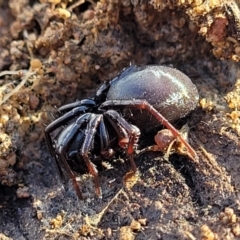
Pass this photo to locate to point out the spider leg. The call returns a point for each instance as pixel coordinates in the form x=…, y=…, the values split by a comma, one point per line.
x=71, y=133
x=58, y=123
x=72, y=177
x=90, y=133
x=106, y=150
x=128, y=134
x=103, y=136
x=73, y=150
x=60, y=160
x=65, y=138
x=70, y=106
x=143, y=104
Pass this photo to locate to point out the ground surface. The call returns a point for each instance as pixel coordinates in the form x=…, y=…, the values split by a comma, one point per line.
x=69, y=55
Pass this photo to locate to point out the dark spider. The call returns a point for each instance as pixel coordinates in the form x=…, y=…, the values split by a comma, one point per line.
x=97, y=126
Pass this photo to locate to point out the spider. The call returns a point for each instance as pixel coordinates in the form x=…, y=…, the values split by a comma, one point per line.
x=109, y=122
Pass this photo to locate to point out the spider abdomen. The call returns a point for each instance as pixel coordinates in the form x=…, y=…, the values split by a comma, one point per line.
x=168, y=90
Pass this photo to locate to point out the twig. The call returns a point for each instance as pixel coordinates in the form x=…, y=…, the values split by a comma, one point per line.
x=94, y=220
x=76, y=4
x=18, y=87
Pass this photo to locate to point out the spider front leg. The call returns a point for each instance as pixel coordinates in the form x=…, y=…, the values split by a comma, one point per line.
x=63, y=143
x=143, y=104
x=59, y=122
x=106, y=150
x=76, y=141
x=85, y=102
x=86, y=148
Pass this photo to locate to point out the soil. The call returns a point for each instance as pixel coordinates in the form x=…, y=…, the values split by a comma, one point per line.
x=55, y=52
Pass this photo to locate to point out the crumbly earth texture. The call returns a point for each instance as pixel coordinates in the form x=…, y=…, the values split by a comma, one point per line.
x=53, y=52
